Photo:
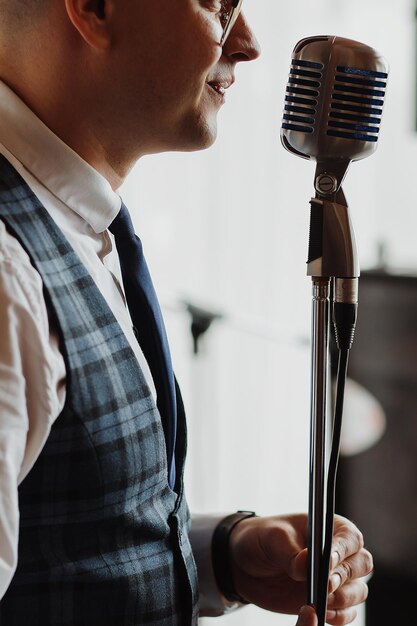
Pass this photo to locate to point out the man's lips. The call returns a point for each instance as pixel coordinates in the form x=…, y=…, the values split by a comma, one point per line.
x=220, y=85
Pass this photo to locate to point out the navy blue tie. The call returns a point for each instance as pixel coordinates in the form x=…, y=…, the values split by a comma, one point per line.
x=148, y=324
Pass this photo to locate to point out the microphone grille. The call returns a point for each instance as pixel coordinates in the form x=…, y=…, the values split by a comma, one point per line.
x=302, y=95
x=356, y=104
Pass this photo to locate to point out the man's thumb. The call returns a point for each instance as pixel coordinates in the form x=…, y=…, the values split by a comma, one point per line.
x=307, y=617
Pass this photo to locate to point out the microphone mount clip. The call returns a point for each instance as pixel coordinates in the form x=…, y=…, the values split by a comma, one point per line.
x=332, y=246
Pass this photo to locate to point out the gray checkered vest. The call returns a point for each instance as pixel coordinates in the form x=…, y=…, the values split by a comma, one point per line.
x=103, y=539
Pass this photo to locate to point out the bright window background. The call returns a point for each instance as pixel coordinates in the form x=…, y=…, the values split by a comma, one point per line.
x=227, y=229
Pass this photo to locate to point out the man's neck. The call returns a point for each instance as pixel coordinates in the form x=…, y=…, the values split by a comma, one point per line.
x=66, y=118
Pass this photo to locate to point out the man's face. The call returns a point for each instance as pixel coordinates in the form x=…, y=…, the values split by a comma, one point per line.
x=171, y=73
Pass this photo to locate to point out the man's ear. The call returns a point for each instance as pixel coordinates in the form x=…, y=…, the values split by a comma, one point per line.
x=92, y=20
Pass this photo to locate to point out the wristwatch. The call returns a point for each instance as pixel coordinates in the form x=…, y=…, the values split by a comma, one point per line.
x=221, y=555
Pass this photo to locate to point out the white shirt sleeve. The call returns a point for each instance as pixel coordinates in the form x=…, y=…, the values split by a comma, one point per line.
x=212, y=602
x=32, y=389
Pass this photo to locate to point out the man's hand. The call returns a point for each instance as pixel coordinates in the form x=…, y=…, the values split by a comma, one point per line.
x=269, y=565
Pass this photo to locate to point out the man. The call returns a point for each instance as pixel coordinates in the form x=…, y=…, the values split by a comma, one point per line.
x=88, y=87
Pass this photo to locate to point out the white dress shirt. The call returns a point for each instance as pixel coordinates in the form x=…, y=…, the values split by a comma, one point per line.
x=32, y=368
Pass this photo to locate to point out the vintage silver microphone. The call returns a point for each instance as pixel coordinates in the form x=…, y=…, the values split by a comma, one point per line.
x=332, y=114
x=334, y=100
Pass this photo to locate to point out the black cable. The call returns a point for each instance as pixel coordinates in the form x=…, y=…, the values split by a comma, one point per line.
x=331, y=482
x=345, y=309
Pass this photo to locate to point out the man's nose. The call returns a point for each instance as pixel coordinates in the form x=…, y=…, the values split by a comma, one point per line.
x=242, y=45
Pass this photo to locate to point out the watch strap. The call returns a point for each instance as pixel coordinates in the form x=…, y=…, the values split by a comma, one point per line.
x=221, y=554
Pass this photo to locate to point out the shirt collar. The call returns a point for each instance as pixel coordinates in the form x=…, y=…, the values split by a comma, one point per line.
x=54, y=164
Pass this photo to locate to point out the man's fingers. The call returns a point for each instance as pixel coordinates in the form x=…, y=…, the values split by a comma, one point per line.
x=347, y=540
x=340, y=618
x=349, y=595
x=353, y=567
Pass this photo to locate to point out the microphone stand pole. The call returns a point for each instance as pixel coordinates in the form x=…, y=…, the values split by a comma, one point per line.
x=332, y=256
x=317, y=481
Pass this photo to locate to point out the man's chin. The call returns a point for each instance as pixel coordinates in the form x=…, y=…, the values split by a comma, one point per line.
x=204, y=144
x=194, y=134
x=200, y=135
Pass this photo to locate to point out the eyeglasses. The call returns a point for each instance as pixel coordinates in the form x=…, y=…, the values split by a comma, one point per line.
x=229, y=15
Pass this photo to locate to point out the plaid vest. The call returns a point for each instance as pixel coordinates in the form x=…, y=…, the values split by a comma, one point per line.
x=103, y=539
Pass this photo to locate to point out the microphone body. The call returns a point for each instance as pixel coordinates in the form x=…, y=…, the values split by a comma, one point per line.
x=333, y=104
x=332, y=114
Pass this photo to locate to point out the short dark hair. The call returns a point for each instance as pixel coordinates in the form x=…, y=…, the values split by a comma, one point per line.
x=18, y=13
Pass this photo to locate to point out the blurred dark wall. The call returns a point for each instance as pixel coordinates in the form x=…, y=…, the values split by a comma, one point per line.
x=377, y=488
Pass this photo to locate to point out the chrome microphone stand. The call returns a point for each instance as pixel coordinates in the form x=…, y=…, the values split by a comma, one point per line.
x=332, y=114
x=332, y=258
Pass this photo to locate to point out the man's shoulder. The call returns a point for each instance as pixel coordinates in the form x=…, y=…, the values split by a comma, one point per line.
x=11, y=251
x=19, y=280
